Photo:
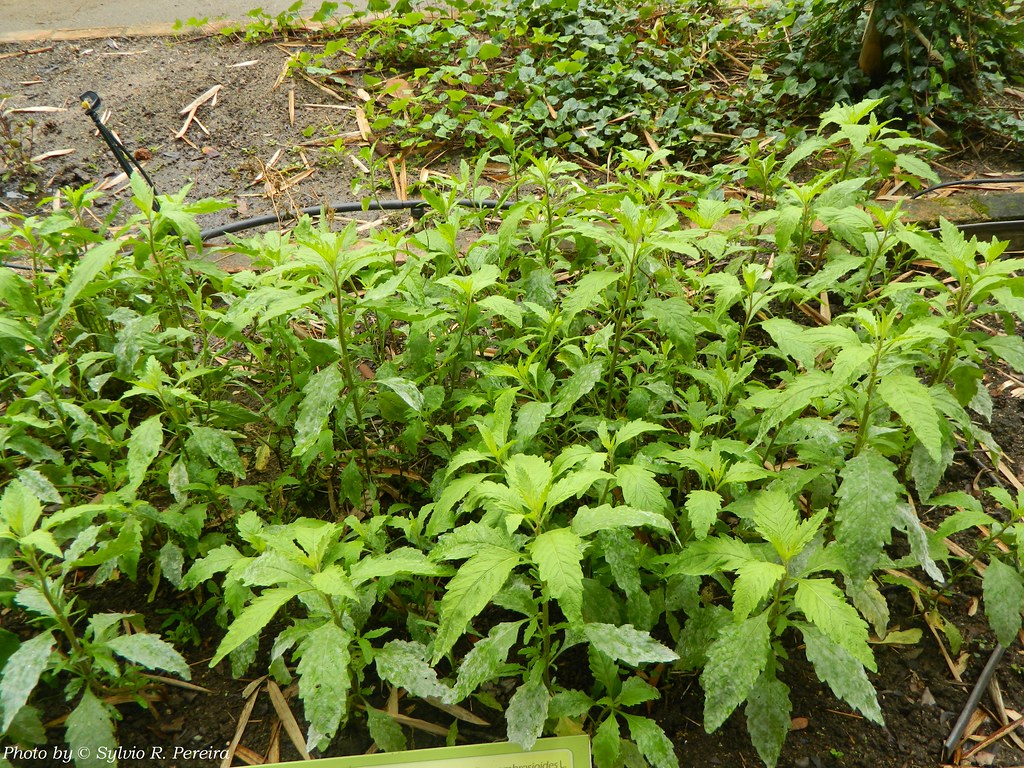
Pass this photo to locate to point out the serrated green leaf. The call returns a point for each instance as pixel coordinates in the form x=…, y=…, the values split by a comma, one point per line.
x=333, y=581
x=95, y=260
x=1007, y=348
x=926, y=472
x=674, y=318
x=744, y=472
x=869, y=600
x=702, y=558
x=754, y=582
x=527, y=710
x=789, y=218
x=21, y=675
x=253, y=619
x=143, y=447
x=605, y=671
x=33, y=600
x=867, y=510
x=405, y=664
x=842, y=672
x=779, y=405
x=917, y=166
x=20, y=509
x=385, y=731
x=607, y=743
x=703, y=508
x=627, y=644
x=917, y=536
x=151, y=652
x=324, y=680
x=486, y=658
x=735, y=661
x=791, y=340
x=27, y=728
x=442, y=518
x=639, y=488
x=90, y=730
x=504, y=308
x=702, y=627
x=40, y=486
x=768, y=713
x=585, y=291
x=1004, y=599
x=582, y=381
x=15, y=329
x=851, y=362
x=652, y=741
x=636, y=691
x=218, y=447
x=529, y=420
x=557, y=554
x=126, y=547
x=470, y=591
x=404, y=561
x=529, y=480
x=405, y=389
x=320, y=397
x=909, y=398
x=43, y=541
x=171, y=561
x=570, y=703
x=573, y=484
x=216, y=561
x=632, y=429
x=274, y=567
x=589, y=520
x=825, y=606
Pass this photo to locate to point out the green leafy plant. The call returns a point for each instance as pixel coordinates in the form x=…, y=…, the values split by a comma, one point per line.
x=930, y=61
x=16, y=141
x=337, y=583
x=776, y=587
x=39, y=553
x=602, y=429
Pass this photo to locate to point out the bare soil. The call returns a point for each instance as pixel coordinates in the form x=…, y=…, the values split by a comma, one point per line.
x=145, y=84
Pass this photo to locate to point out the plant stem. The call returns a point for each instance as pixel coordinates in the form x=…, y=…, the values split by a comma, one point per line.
x=862, y=429
x=620, y=325
x=346, y=372
x=55, y=605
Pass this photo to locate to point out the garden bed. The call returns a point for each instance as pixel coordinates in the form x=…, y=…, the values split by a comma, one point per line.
x=428, y=394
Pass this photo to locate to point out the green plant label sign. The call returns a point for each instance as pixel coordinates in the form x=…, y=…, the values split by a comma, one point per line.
x=563, y=752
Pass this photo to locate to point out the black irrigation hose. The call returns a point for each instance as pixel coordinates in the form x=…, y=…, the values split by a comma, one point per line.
x=416, y=205
x=91, y=103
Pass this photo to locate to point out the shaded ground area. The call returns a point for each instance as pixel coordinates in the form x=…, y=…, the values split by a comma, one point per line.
x=273, y=144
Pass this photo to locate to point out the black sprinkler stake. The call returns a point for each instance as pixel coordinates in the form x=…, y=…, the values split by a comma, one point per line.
x=91, y=103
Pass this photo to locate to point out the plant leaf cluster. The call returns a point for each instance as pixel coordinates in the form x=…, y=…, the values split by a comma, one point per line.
x=573, y=450
x=698, y=78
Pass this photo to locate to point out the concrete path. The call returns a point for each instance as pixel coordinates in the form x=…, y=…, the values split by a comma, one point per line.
x=28, y=20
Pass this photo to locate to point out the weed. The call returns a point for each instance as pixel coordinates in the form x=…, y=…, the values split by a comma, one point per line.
x=469, y=452
x=16, y=142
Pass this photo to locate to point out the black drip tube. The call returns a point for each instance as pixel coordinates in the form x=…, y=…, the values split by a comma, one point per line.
x=417, y=205
x=91, y=103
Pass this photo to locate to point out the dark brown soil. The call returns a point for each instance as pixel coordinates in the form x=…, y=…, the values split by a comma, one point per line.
x=145, y=84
